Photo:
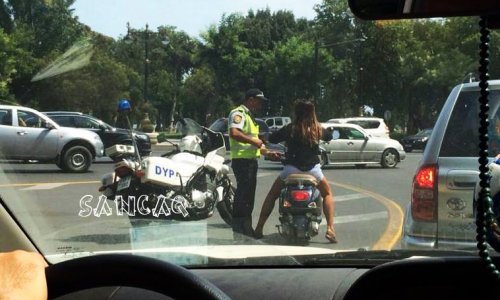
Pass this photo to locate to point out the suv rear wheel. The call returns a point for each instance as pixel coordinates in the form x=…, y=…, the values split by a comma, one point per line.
x=76, y=159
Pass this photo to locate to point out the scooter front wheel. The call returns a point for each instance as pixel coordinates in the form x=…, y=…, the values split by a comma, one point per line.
x=301, y=238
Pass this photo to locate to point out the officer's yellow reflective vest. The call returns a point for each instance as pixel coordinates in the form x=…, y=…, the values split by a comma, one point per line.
x=244, y=150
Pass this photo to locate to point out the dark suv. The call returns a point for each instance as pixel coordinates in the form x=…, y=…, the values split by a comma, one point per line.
x=109, y=135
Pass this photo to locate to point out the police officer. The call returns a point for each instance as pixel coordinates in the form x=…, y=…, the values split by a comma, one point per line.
x=246, y=147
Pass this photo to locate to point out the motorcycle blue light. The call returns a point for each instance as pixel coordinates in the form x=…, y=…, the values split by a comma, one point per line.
x=124, y=105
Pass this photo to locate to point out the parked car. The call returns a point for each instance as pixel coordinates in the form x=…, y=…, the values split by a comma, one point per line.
x=353, y=145
x=417, y=141
x=441, y=211
x=275, y=123
x=26, y=134
x=220, y=125
x=110, y=135
x=376, y=127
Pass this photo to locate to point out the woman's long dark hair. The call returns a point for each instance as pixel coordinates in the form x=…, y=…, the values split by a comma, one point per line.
x=306, y=126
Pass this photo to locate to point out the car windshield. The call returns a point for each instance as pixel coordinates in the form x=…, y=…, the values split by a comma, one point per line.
x=71, y=187
x=366, y=123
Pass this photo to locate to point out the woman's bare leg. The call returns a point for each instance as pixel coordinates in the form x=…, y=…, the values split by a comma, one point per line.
x=328, y=205
x=268, y=206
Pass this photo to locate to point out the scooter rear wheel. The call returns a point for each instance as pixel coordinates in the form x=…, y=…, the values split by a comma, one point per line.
x=301, y=237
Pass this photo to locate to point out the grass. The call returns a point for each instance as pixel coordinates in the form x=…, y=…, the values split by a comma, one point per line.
x=162, y=136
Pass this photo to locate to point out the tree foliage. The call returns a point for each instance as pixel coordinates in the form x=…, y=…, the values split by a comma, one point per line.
x=407, y=67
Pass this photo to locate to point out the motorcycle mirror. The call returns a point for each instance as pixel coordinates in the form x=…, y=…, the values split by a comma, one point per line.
x=124, y=106
x=409, y=9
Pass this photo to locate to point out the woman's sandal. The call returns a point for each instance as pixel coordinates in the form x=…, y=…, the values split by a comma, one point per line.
x=330, y=236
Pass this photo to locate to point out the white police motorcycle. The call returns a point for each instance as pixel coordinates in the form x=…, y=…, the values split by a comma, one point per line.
x=187, y=183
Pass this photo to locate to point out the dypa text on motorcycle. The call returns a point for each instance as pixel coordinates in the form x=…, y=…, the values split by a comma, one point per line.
x=164, y=171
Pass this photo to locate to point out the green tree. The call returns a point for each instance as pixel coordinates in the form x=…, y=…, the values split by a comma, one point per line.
x=7, y=64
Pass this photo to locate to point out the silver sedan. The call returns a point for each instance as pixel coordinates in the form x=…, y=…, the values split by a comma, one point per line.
x=353, y=145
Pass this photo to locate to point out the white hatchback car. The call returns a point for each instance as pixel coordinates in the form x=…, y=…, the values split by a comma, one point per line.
x=376, y=127
x=353, y=145
x=275, y=123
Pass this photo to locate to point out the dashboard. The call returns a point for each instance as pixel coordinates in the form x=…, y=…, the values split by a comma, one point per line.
x=415, y=278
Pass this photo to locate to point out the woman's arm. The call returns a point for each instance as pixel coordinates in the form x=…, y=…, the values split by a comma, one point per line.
x=281, y=135
x=327, y=134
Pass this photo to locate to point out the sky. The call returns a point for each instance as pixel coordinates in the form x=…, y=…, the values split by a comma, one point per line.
x=110, y=17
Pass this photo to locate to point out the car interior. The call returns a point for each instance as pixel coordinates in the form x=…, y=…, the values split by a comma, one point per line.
x=342, y=275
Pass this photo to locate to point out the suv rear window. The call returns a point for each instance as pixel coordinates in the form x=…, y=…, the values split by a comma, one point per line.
x=65, y=121
x=366, y=123
x=461, y=138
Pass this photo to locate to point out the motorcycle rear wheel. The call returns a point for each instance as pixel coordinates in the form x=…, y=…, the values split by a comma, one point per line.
x=225, y=207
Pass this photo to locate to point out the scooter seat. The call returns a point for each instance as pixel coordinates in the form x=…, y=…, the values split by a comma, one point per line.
x=301, y=179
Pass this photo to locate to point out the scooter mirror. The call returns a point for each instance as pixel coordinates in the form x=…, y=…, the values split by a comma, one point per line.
x=335, y=134
x=124, y=106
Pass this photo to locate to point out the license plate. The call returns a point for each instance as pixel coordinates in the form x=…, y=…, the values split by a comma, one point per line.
x=124, y=183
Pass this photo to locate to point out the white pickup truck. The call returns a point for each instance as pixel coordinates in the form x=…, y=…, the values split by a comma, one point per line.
x=26, y=134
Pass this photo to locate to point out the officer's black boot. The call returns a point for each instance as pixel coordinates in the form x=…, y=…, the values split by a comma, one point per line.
x=247, y=227
x=242, y=229
x=237, y=226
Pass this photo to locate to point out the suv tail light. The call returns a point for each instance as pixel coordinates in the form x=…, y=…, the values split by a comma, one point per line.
x=424, y=194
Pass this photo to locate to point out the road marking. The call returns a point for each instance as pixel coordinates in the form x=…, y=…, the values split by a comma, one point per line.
x=394, y=227
x=265, y=174
x=342, y=198
x=47, y=186
x=259, y=174
x=361, y=217
x=53, y=185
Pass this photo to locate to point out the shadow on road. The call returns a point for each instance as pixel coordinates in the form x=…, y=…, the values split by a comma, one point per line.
x=330, y=167
x=277, y=167
x=345, y=167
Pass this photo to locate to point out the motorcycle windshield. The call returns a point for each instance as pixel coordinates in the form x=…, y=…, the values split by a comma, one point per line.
x=187, y=126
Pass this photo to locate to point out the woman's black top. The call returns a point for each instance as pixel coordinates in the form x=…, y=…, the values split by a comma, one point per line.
x=299, y=153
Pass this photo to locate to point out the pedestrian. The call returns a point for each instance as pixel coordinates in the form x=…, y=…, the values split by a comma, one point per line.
x=302, y=138
x=121, y=118
x=245, y=149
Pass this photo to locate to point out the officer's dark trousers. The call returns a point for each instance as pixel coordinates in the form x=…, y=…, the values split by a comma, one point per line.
x=245, y=171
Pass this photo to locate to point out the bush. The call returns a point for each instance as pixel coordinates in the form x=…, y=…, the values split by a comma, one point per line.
x=397, y=136
x=163, y=136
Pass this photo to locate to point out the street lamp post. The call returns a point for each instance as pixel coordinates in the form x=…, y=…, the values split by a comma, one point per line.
x=319, y=89
x=146, y=63
x=146, y=38
x=128, y=39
